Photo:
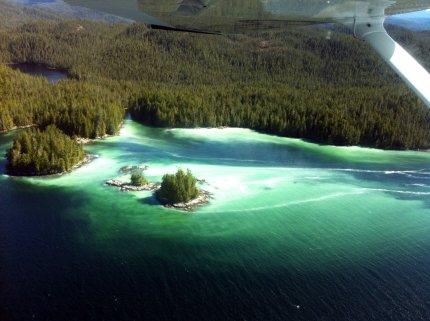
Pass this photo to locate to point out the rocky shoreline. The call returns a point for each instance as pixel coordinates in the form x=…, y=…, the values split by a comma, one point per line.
x=87, y=159
x=125, y=187
x=84, y=141
x=130, y=168
x=203, y=198
x=17, y=127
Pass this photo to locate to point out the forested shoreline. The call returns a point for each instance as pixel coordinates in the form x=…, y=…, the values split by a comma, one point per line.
x=47, y=152
x=292, y=83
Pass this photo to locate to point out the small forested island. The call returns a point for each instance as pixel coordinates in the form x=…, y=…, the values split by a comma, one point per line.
x=138, y=179
x=35, y=152
x=177, y=190
x=180, y=191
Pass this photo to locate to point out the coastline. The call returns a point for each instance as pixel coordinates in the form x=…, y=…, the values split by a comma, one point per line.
x=5, y=131
x=294, y=139
x=87, y=159
x=202, y=199
x=128, y=187
x=84, y=140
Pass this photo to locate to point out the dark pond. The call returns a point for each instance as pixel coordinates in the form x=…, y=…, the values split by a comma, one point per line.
x=53, y=75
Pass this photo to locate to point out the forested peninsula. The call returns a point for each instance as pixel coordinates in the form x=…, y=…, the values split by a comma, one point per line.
x=47, y=152
x=296, y=83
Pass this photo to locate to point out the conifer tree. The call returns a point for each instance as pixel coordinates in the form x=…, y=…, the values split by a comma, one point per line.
x=178, y=188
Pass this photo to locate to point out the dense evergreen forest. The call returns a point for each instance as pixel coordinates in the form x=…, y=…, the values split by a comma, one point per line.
x=311, y=83
x=77, y=108
x=36, y=152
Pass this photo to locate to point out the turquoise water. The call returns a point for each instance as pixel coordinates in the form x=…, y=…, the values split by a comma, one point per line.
x=295, y=230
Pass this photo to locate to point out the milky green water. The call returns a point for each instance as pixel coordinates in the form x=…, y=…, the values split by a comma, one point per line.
x=343, y=232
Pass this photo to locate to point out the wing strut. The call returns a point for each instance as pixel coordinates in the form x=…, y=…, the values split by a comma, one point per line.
x=373, y=32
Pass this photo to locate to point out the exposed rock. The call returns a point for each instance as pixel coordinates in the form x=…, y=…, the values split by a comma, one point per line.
x=114, y=182
x=130, y=168
x=151, y=186
x=84, y=140
x=203, y=198
x=126, y=186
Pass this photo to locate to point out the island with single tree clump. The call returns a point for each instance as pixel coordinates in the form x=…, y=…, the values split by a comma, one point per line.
x=36, y=153
x=138, y=179
x=179, y=190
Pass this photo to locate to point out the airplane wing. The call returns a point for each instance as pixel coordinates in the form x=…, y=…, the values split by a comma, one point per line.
x=246, y=15
x=364, y=17
x=227, y=16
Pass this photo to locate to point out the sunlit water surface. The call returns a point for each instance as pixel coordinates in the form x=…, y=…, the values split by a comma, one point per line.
x=295, y=230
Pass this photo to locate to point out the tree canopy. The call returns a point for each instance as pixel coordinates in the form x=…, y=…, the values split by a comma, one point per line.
x=298, y=84
x=138, y=179
x=36, y=152
x=178, y=188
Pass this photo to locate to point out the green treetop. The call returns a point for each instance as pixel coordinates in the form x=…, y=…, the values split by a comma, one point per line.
x=36, y=152
x=138, y=179
x=178, y=188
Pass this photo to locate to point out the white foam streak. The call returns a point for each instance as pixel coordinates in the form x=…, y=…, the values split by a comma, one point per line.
x=216, y=158
x=395, y=191
x=294, y=203
x=418, y=185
